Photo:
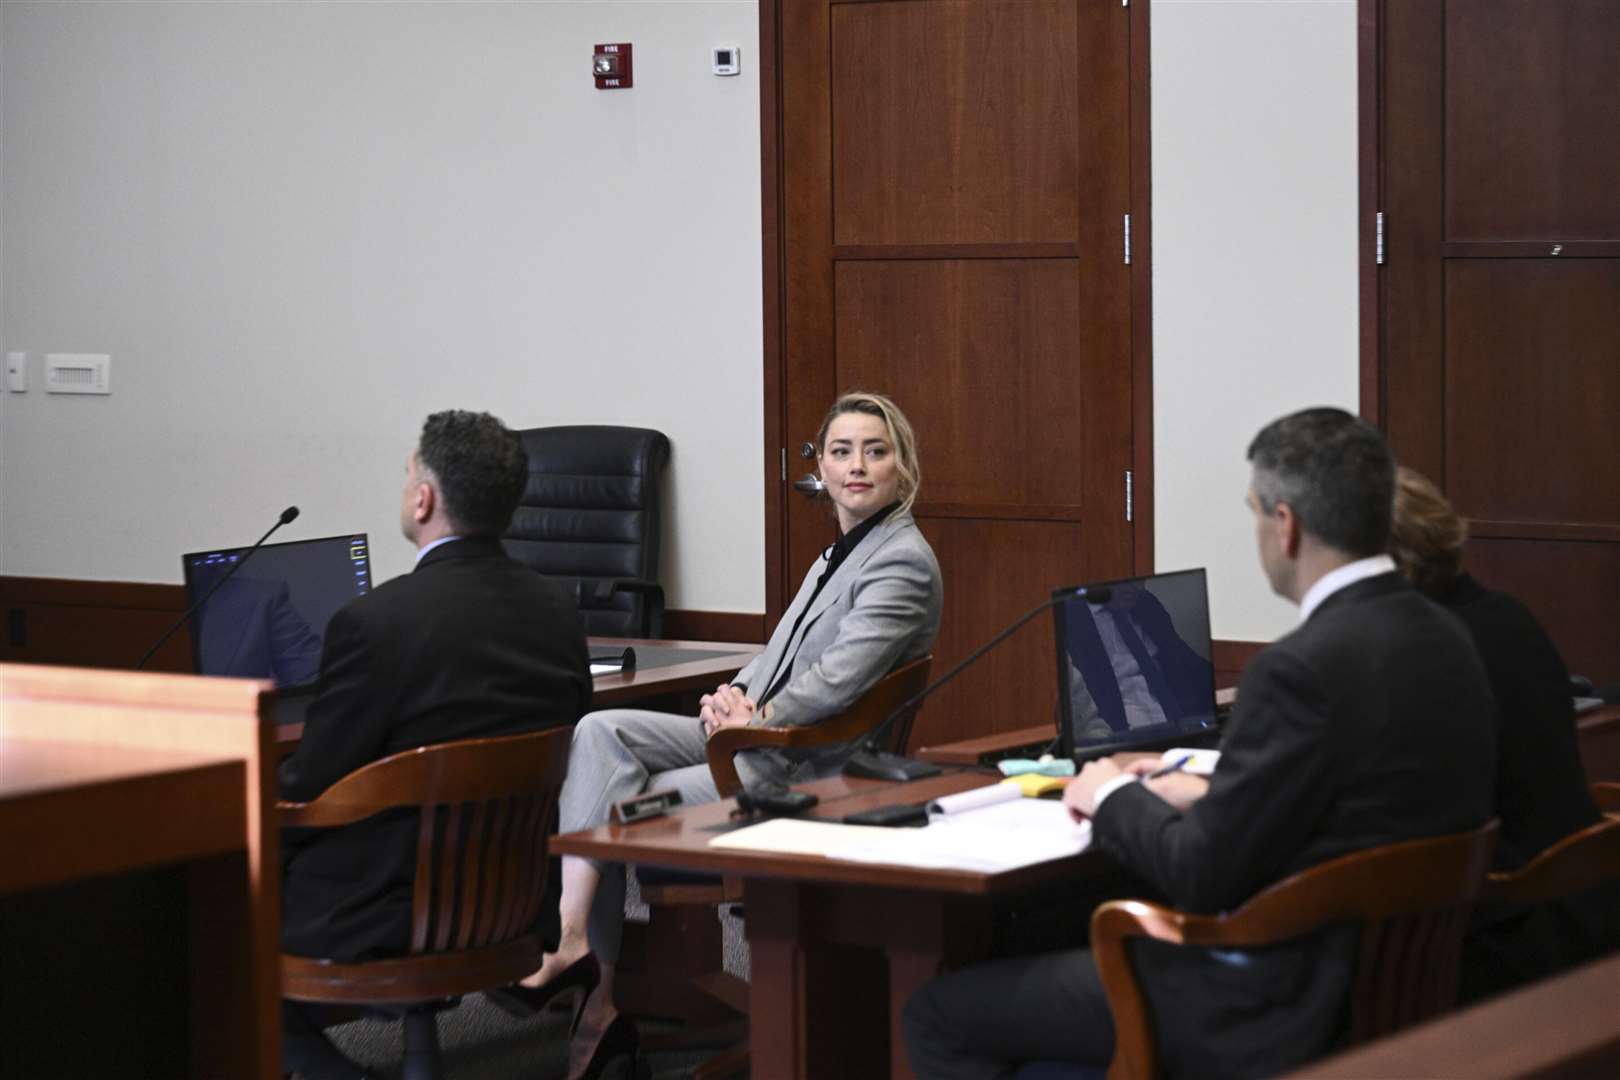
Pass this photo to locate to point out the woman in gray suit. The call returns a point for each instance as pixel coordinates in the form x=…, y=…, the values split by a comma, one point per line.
x=869, y=604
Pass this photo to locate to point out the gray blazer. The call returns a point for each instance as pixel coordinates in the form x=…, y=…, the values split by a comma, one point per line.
x=879, y=610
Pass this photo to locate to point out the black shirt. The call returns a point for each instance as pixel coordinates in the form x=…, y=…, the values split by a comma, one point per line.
x=835, y=556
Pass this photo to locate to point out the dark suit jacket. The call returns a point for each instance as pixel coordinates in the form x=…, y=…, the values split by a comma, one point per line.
x=1541, y=797
x=471, y=644
x=1369, y=724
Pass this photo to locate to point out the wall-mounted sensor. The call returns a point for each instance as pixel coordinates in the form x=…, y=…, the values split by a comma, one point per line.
x=727, y=60
x=78, y=373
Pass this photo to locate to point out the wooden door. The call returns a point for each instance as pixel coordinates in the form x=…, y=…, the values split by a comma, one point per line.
x=955, y=176
x=1497, y=315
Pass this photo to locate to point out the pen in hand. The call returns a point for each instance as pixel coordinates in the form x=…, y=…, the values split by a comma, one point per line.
x=1174, y=767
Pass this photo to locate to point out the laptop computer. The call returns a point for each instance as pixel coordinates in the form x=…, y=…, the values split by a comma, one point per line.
x=269, y=619
x=1134, y=665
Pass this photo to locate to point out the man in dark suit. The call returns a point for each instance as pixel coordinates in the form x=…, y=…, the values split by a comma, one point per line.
x=470, y=644
x=1369, y=724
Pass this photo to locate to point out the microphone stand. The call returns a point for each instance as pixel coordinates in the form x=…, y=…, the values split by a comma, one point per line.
x=287, y=515
x=880, y=765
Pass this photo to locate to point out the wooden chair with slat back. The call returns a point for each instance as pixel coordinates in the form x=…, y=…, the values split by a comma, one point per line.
x=488, y=807
x=1412, y=901
x=683, y=919
x=1581, y=860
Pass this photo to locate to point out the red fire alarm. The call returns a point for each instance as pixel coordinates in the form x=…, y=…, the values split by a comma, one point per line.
x=611, y=66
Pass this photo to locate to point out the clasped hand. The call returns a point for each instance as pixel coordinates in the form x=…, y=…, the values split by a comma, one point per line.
x=726, y=707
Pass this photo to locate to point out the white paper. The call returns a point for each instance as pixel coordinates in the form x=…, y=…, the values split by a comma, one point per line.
x=1003, y=836
x=796, y=836
x=974, y=799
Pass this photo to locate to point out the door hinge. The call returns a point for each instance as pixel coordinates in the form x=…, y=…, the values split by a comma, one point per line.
x=784, y=464
x=1127, y=239
x=1130, y=496
x=1378, y=239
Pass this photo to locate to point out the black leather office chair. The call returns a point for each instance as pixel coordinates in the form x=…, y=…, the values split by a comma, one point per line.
x=589, y=520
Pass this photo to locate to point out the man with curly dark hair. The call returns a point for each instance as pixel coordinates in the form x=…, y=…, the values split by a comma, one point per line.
x=470, y=644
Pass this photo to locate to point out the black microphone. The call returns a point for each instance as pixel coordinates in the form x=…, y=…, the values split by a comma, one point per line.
x=288, y=515
x=876, y=764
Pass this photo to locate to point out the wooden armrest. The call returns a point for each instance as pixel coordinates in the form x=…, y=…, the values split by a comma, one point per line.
x=886, y=699
x=439, y=773
x=1607, y=796
x=844, y=727
x=319, y=814
x=727, y=741
x=1578, y=861
x=1135, y=1045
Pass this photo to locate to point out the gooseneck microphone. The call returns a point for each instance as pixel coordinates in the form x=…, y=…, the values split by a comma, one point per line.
x=878, y=765
x=287, y=516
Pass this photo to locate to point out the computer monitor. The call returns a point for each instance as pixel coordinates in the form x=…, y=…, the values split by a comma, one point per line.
x=1134, y=665
x=269, y=620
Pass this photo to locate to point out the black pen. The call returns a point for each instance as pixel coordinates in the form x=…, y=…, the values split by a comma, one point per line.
x=1174, y=767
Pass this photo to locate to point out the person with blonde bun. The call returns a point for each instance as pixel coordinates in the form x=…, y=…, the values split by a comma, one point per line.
x=1541, y=791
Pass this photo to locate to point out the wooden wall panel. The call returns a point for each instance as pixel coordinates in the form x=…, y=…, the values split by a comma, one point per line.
x=1572, y=588
x=100, y=624
x=981, y=354
x=1532, y=389
x=1513, y=171
x=109, y=624
x=953, y=122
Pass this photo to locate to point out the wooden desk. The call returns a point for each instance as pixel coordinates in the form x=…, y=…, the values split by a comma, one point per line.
x=720, y=660
x=108, y=773
x=837, y=947
x=1567, y=1026
x=988, y=748
x=1598, y=735
x=187, y=1008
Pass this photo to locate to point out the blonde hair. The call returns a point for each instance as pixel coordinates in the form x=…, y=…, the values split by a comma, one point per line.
x=1428, y=535
x=900, y=435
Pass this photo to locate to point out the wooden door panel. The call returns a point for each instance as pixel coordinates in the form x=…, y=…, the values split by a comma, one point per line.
x=1532, y=87
x=954, y=180
x=1572, y=589
x=953, y=122
x=1497, y=310
x=1015, y=685
x=1532, y=389
x=982, y=355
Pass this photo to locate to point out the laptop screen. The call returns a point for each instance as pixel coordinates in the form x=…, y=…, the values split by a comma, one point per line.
x=269, y=620
x=1134, y=665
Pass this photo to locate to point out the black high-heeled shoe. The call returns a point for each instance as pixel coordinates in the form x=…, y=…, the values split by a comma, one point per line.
x=525, y=1001
x=620, y=1040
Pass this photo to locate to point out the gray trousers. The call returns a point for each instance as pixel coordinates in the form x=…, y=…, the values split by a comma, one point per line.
x=620, y=753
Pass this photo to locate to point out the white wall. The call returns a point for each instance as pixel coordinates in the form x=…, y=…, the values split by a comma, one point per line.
x=298, y=228
x=1254, y=265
